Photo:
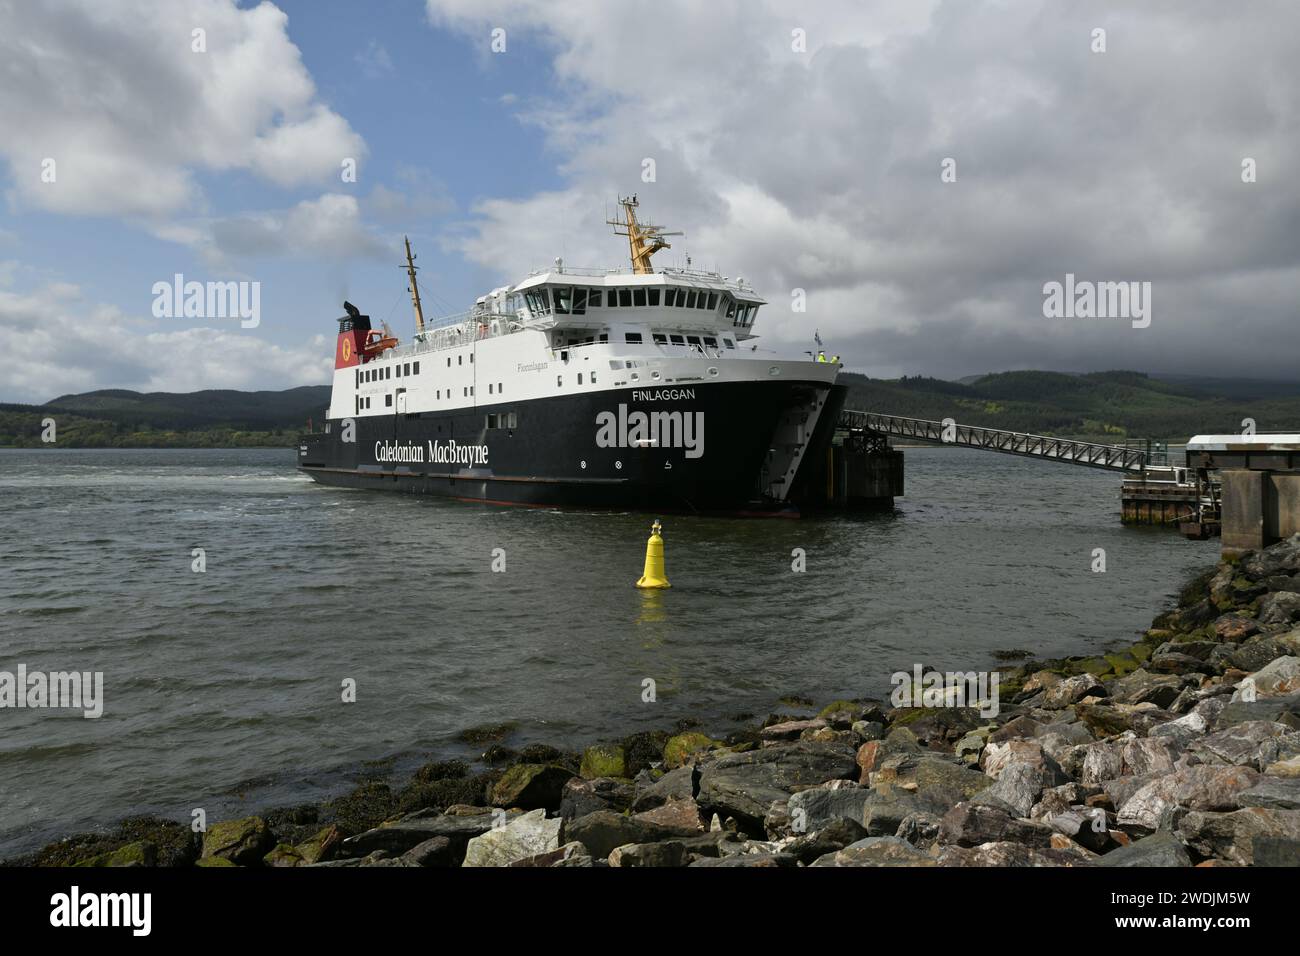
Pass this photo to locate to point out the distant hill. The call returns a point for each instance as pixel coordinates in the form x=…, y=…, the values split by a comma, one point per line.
x=214, y=418
x=1111, y=405
x=1107, y=406
x=213, y=407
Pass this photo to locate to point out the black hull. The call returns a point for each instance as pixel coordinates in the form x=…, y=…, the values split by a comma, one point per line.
x=551, y=457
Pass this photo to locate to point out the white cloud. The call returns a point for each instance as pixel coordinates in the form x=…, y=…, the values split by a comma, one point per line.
x=55, y=343
x=115, y=94
x=820, y=170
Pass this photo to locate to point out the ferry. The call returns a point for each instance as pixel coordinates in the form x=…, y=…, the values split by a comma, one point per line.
x=625, y=388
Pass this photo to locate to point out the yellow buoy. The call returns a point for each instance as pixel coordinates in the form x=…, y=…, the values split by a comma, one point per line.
x=653, y=576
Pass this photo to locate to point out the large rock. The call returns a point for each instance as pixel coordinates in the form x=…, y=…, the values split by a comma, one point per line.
x=877, y=851
x=791, y=729
x=1071, y=690
x=603, y=760
x=1142, y=687
x=1278, y=678
x=1273, y=793
x=1252, y=743
x=1159, y=849
x=531, y=786
x=242, y=842
x=1017, y=788
x=812, y=809
x=1005, y=853
x=745, y=785
x=969, y=824
x=683, y=748
x=581, y=797
x=667, y=853
x=1202, y=787
x=886, y=811
x=923, y=772
x=681, y=816
x=602, y=831
x=679, y=784
x=1278, y=610
x=398, y=836
x=1237, y=836
x=524, y=836
x=1282, y=710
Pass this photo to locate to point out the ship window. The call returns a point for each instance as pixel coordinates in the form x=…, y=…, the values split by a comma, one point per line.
x=489, y=388
x=713, y=300
x=563, y=299
x=593, y=298
x=415, y=367
x=439, y=395
x=399, y=371
x=593, y=378
x=579, y=378
x=730, y=344
x=653, y=295
x=702, y=302
x=690, y=299
x=624, y=298
x=579, y=301
x=638, y=297
x=513, y=421
x=559, y=381
x=677, y=340
x=492, y=421
x=460, y=360
x=388, y=372
x=660, y=338
x=693, y=339
x=500, y=389
x=604, y=337
x=358, y=381
x=731, y=306
x=358, y=408
x=471, y=358
x=388, y=400
x=670, y=297
x=406, y=369
x=632, y=338
x=471, y=389
x=546, y=300
x=710, y=341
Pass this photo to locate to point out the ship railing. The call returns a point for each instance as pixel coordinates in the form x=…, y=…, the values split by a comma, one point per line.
x=459, y=330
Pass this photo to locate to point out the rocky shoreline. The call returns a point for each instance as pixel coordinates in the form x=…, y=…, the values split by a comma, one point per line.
x=1182, y=750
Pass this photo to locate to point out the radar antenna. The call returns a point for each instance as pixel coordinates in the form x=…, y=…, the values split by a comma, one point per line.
x=643, y=240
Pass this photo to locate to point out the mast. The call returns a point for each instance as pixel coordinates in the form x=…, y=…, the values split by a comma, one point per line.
x=643, y=240
x=414, y=287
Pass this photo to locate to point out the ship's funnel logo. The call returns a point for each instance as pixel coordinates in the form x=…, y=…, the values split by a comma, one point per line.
x=624, y=429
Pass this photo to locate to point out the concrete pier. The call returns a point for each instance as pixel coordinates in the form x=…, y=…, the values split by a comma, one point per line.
x=1260, y=480
x=859, y=471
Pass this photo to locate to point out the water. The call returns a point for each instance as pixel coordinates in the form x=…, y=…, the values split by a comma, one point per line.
x=223, y=689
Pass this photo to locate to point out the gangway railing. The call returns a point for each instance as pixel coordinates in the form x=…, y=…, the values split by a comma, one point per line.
x=948, y=432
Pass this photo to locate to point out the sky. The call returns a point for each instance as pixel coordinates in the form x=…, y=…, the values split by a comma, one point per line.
x=904, y=178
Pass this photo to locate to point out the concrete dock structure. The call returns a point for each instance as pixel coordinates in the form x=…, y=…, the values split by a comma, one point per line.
x=1259, y=477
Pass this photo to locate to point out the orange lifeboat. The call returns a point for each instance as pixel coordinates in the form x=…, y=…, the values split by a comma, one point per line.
x=376, y=342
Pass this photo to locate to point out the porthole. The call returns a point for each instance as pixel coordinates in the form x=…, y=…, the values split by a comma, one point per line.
x=774, y=370
x=713, y=371
x=618, y=465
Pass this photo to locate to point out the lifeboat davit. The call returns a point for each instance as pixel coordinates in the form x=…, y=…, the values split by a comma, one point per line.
x=376, y=342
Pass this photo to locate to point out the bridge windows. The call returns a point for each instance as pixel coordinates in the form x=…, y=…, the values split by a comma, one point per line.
x=660, y=338
x=632, y=338
x=677, y=339
x=638, y=297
